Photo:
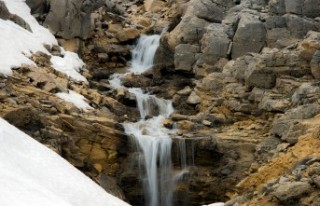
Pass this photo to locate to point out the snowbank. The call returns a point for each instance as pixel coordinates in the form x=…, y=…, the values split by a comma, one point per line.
x=31, y=174
x=17, y=43
x=77, y=99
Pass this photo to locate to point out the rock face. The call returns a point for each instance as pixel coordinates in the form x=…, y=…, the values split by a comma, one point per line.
x=242, y=75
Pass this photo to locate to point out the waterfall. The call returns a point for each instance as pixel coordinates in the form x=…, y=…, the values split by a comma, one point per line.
x=143, y=53
x=153, y=140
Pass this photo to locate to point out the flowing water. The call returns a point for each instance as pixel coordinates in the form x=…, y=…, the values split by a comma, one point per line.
x=152, y=138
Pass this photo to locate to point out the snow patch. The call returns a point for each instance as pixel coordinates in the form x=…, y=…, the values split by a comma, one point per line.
x=17, y=43
x=70, y=64
x=31, y=174
x=77, y=99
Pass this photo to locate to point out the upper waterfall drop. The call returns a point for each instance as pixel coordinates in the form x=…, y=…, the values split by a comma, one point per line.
x=144, y=52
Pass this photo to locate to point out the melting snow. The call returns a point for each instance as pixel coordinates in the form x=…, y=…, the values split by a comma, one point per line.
x=17, y=43
x=31, y=174
x=77, y=99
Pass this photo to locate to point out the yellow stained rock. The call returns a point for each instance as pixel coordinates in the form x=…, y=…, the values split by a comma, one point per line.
x=97, y=153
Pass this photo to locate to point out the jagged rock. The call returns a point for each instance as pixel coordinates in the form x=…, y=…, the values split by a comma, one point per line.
x=288, y=126
x=306, y=93
x=249, y=37
x=290, y=190
x=185, y=57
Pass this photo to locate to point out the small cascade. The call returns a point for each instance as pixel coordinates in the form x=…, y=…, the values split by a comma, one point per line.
x=143, y=53
x=151, y=137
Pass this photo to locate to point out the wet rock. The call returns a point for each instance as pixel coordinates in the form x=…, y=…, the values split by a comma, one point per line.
x=290, y=190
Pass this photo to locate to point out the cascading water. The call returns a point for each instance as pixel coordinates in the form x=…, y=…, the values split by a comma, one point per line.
x=151, y=137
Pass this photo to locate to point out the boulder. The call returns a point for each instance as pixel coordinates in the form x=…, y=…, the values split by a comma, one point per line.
x=250, y=35
x=290, y=190
x=261, y=78
x=215, y=44
x=190, y=30
x=68, y=20
x=185, y=57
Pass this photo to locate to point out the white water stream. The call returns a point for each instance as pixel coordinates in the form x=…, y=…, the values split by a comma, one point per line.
x=149, y=134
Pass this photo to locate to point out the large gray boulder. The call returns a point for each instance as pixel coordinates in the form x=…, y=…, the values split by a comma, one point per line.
x=185, y=57
x=250, y=35
x=66, y=19
x=215, y=44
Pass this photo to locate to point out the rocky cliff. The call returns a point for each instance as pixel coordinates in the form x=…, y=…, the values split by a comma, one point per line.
x=243, y=77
